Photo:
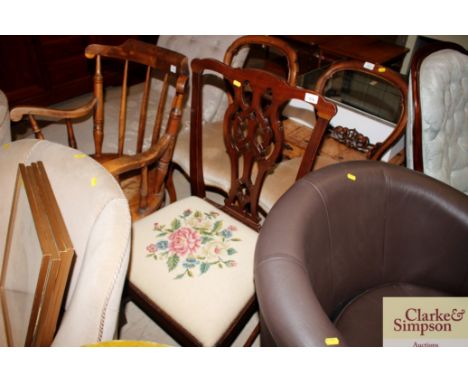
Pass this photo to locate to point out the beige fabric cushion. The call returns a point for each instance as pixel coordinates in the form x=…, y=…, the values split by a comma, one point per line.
x=216, y=165
x=97, y=217
x=278, y=182
x=196, y=263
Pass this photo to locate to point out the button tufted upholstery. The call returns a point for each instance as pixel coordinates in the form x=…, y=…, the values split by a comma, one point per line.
x=443, y=94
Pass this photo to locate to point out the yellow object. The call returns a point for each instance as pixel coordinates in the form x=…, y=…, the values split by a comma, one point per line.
x=6, y=146
x=126, y=343
x=351, y=177
x=80, y=156
x=382, y=70
x=236, y=83
x=332, y=341
x=93, y=181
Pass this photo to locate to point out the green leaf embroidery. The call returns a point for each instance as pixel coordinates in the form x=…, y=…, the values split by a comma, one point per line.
x=217, y=226
x=204, y=267
x=231, y=251
x=172, y=262
x=175, y=224
x=206, y=239
x=198, y=214
x=178, y=277
x=236, y=239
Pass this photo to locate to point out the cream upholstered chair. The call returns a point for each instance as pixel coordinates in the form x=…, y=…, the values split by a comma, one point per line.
x=97, y=217
x=5, y=134
x=437, y=132
x=192, y=261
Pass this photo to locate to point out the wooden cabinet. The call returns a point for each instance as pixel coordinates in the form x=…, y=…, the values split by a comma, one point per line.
x=42, y=70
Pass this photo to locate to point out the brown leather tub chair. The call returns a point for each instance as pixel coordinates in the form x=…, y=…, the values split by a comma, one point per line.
x=345, y=236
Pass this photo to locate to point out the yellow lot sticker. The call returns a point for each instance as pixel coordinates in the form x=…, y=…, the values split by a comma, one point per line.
x=79, y=156
x=93, y=181
x=351, y=176
x=332, y=341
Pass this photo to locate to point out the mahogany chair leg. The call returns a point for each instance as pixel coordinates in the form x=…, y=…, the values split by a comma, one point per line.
x=170, y=185
x=253, y=336
x=122, y=318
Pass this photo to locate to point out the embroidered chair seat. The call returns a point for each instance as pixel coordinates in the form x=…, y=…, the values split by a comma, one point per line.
x=181, y=252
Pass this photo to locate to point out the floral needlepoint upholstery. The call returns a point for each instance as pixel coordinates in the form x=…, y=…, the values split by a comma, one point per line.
x=194, y=241
x=184, y=249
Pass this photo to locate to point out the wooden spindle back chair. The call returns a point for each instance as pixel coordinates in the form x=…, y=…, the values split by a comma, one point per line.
x=159, y=65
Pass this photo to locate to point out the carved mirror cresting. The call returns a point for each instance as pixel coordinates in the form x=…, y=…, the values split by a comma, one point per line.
x=36, y=264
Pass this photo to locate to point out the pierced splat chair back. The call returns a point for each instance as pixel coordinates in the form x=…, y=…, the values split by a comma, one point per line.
x=252, y=130
x=352, y=138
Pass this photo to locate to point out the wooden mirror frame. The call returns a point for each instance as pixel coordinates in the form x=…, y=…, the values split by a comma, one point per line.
x=56, y=257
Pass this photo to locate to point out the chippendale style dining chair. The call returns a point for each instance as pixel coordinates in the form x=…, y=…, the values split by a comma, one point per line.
x=216, y=161
x=192, y=261
x=125, y=119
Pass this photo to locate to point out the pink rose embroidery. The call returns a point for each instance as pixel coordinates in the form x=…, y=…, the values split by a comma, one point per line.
x=193, y=243
x=184, y=241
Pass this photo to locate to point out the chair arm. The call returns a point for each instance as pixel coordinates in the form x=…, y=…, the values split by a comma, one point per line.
x=19, y=112
x=289, y=306
x=125, y=164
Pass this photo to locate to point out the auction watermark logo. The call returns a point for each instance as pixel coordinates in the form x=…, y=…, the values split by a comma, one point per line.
x=425, y=321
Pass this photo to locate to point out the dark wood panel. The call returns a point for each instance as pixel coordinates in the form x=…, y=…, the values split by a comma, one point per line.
x=19, y=66
x=43, y=70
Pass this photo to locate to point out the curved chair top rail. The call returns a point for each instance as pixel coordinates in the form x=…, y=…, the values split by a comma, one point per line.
x=252, y=130
x=142, y=53
x=272, y=42
x=416, y=63
x=383, y=73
